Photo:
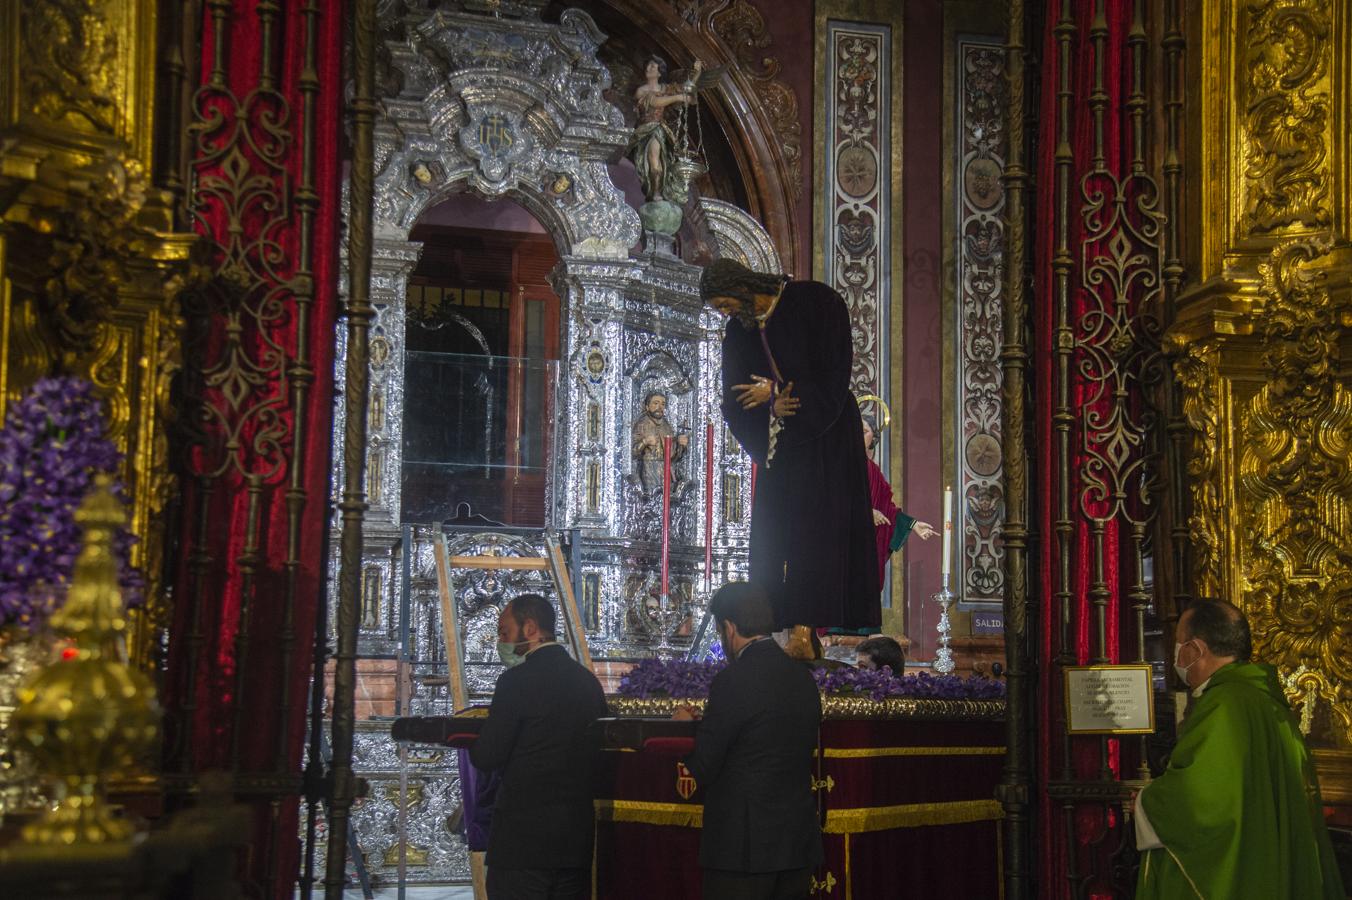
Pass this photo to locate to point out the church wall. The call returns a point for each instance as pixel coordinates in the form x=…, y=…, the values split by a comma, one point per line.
x=917, y=308
x=790, y=28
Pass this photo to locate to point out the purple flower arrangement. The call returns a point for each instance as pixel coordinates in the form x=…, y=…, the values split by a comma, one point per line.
x=670, y=678
x=52, y=447
x=682, y=678
x=880, y=684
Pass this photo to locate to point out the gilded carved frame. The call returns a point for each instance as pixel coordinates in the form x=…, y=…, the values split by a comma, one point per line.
x=1259, y=340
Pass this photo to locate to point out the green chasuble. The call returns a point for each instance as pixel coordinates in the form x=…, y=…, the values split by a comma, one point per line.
x=1238, y=809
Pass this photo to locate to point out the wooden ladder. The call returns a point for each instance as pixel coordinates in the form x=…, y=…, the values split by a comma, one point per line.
x=552, y=562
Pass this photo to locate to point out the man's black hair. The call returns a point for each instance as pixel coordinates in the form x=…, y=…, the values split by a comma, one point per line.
x=884, y=651
x=1222, y=627
x=533, y=608
x=744, y=605
x=729, y=278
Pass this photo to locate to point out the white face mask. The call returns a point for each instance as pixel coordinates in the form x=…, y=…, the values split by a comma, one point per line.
x=512, y=653
x=1182, y=670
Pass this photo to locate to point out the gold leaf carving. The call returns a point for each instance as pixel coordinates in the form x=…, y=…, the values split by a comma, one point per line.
x=742, y=28
x=1295, y=483
x=91, y=260
x=68, y=54
x=93, y=239
x=1198, y=372
x=1286, y=115
x=95, y=295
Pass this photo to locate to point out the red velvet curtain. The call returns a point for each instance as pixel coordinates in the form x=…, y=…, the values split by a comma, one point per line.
x=257, y=393
x=1090, y=240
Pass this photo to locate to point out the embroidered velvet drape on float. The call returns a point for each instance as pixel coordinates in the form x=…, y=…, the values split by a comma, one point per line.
x=258, y=382
x=1096, y=308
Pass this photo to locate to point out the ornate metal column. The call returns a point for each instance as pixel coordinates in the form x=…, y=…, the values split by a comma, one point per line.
x=356, y=379
x=1020, y=678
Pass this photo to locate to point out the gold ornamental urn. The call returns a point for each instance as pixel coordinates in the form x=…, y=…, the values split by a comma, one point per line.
x=87, y=715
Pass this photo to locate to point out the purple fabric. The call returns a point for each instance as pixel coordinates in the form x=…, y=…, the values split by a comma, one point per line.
x=478, y=791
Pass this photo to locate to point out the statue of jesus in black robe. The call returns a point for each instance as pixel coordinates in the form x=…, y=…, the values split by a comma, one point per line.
x=786, y=397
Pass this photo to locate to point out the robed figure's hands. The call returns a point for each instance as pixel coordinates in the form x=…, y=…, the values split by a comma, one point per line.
x=757, y=393
x=785, y=403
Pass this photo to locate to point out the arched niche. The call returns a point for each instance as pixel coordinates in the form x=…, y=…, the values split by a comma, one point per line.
x=514, y=108
x=501, y=108
x=482, y=348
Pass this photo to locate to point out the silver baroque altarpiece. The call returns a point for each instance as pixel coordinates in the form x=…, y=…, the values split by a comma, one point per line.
x=505, y=105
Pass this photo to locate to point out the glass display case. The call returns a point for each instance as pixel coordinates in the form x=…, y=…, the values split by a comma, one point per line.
x=478, y=434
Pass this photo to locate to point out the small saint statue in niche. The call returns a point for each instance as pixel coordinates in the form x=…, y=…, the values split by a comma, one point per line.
x=656, y=148
x=647, y=434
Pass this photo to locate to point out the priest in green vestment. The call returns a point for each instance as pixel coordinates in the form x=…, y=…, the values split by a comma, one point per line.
x=1237, y=814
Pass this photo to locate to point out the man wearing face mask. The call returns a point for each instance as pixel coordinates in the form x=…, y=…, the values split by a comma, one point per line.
x=536, y=736
x=1237, y=813
x=753, y=760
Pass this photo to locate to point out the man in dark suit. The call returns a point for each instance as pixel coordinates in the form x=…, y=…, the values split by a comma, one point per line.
x=753, y=760
x=540, y=842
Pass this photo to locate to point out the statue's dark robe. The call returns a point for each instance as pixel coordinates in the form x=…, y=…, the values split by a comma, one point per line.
x=812, y=536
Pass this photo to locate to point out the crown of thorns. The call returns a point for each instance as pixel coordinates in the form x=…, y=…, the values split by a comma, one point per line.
x=729, y=278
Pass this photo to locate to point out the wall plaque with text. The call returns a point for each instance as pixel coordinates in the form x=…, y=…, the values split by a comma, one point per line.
x=1109, y=700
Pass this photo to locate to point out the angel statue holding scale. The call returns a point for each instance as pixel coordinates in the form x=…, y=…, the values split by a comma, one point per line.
x=662, y=154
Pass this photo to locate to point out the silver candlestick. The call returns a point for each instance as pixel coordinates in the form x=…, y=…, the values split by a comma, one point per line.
x=943, y=659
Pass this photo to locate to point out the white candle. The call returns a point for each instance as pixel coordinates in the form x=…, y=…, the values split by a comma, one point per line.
x=948, y=530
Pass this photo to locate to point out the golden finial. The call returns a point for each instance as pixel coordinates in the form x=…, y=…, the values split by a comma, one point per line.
x=87, y=716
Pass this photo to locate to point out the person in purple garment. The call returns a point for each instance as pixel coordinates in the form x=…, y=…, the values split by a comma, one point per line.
x=478, y=790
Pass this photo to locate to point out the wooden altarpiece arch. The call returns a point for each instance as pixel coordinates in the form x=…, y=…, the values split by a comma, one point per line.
x=756, y=111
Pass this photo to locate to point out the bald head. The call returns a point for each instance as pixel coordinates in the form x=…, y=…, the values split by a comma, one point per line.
x=1210, y=634
x=1219, y=625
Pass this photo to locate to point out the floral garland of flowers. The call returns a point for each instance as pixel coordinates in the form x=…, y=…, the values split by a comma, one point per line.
x=682, y=678
x=880, y=684
x=52, y=447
